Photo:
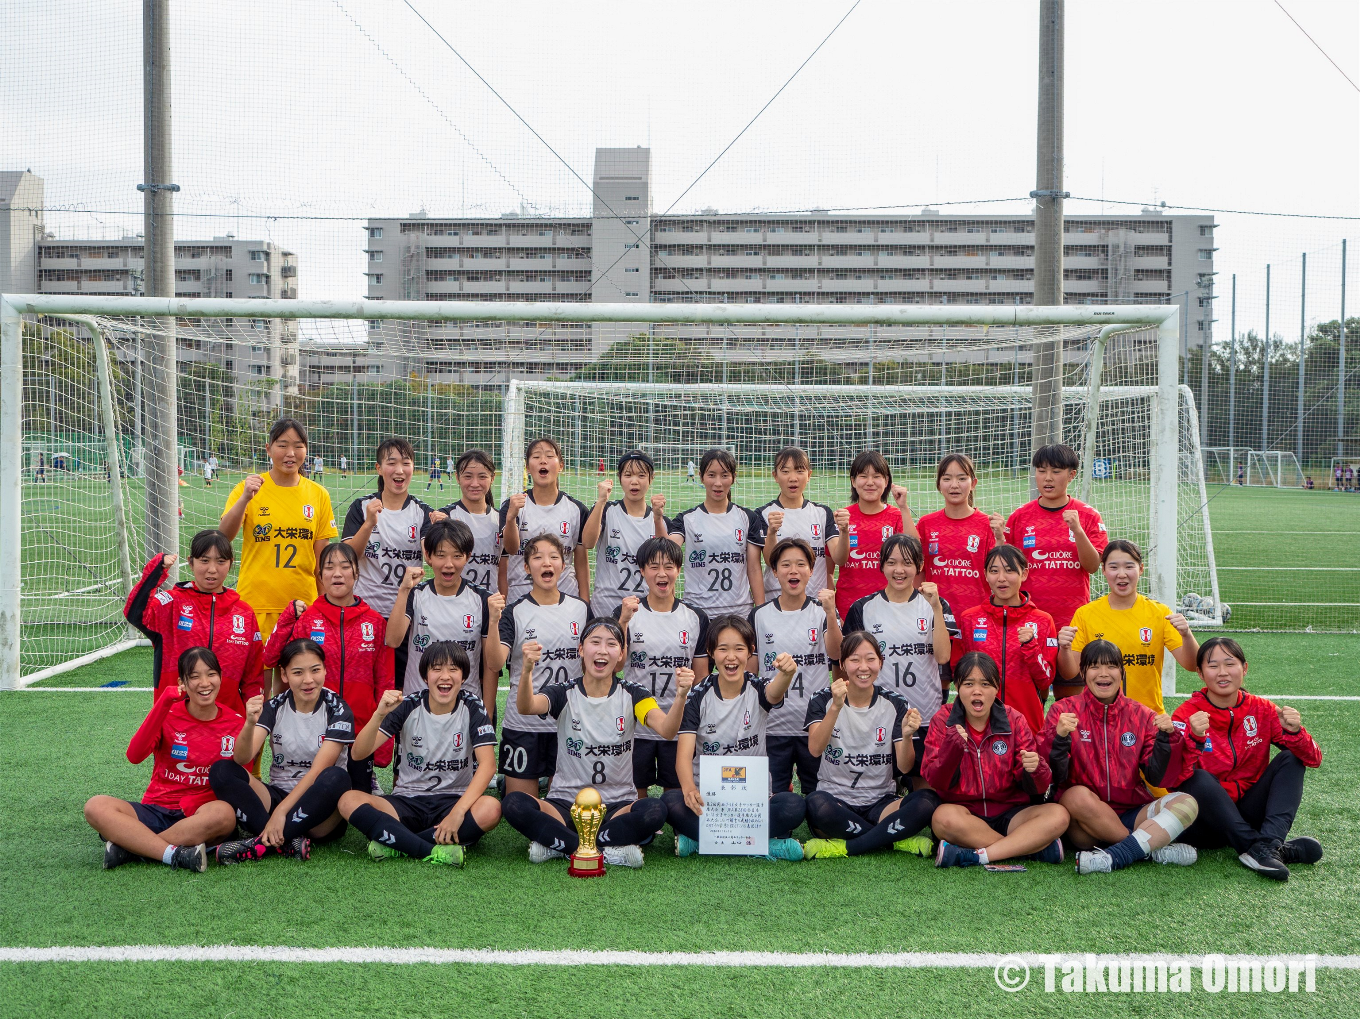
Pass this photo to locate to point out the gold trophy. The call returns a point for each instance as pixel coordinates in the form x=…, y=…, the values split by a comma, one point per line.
x=587, y=814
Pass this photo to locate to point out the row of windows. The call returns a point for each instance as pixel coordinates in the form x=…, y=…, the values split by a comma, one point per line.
x=488, y=230
x=137, y=251
x=500, y=254
x=837, y=274
x=453, y=276
x=851, y=251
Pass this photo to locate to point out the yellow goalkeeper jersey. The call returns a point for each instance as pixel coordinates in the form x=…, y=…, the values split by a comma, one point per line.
x=278, y=560
x=1141, y=632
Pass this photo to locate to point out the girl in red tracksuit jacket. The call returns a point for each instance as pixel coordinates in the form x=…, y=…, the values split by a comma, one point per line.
x=1020, y=637
x=358, y=662
x=980, y=757
x=202, y=612
x=1102, y=745
x=1246, y=799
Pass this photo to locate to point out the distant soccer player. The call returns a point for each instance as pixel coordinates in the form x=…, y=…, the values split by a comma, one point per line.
x=438, y=806
x=436, y=475
x=287, y=521
x=915, y=631
x=187, y=731
x=956, y=539
x=870, y=522
x=1105, y=749
x=320, y=469
x=789, y=515
x=1141, y=628
x=309, y=730
x=1016, y=634
x=982, y=760
x=1061, y=537
x=445, y=607
x=475, y=472
x=201, y=612
x=547, y=510
x=344, y=466
x=689, y=472
x=553, y=621
x=664, y=634
x=725, y=714
x=1247, y=799
x=207, y=474
x=722, y=568
x=861, y=730
x=616, y=530
x=597, y=716
x=795, y=624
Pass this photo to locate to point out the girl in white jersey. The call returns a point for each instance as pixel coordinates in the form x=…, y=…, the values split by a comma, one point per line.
x=547, y=510
x=792, y=516
x=616, y=530
x=597, y=716
x=475, y=472
x=722, y=567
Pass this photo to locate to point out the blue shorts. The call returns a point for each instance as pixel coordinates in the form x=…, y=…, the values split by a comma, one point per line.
x=1129, y=818
x=155, y=817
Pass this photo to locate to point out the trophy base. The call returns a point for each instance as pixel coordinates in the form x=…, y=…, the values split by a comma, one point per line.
x=581, y=865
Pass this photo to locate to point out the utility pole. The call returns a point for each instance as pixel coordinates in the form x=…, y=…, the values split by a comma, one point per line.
x=162, y=488
x=1303, y=356
x=1341, y=366
x=1046, y=388
x=1265, y=375
x=1232, y=385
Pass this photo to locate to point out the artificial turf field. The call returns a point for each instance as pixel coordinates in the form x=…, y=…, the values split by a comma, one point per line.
x=58, y=747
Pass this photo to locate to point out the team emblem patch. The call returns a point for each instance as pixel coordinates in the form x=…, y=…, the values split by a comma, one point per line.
x=973, y=543
x=238, y=624
x=575, y=628
x=619, y=723
x=746, y=717
x=366, y=630
x=880, y=735
x=816, y=530
x=739, y=534
x=565, y=528
x=684, y=638
x=411, y=532
x=922, y=623
x=887, y=531
x=228, y=746
x=1128, y=739
x=1145, y=634
x=812, y=635
x=467, y=620
x=458, y=741
x=999, y=747
x=308, y=512
x=1249, y=725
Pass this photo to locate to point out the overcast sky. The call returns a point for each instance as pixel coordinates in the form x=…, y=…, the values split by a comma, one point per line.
x=287, y=108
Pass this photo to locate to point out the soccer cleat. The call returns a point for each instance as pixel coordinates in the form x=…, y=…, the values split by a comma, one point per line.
x=1097, y=861
x=949, y=855
x=917, y=845
x=115, y=855
x=623, y=856
x=1264, y=858
x=451, y=856
x=823, y=849
x=1304, y=849
x=299, y=848
x=1180, y=853
x=190, y=858
x=685, y=846
x=539, y=853
x=785, y=849
x=1051, y=853
x=241, y=851
x=379, y=852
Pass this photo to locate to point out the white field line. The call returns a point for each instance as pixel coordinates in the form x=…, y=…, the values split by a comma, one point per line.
x=573, y=957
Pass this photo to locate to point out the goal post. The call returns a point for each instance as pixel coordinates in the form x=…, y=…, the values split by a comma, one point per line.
x=977, y=353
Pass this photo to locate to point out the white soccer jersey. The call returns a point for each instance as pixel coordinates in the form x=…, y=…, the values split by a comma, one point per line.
x=486, y=544
x=801, y=633
x=658, y=644
x=461, y=618
x=437, y=752
x=904, y=632
x=857, y=764
x=558, y=628
x=294, y=738
x=715, y=558
x=617, y=571
x=393, y=545
x=595, y=739
x=726, y=727
x=813, y=522
x=564, y=519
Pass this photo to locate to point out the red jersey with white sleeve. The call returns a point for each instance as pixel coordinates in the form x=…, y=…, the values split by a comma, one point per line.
x=185, y=748
x=1056, y=580
x=860, y=575
x=955, y=551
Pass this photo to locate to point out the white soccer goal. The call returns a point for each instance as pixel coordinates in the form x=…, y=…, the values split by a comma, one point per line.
x=675, y=379
x=1273, y=468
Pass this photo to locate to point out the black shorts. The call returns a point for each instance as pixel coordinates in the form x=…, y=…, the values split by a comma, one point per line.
x=918, y=743
x=1002, y=821
x=1129, y=818
x=610, y=809
x=528, y=754
x=277, y=796
x=871, y=812
x=654, y=763
x=155, y=817
x=420, y=812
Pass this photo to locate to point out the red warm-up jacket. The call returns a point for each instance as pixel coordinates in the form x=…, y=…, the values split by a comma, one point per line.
x=1112, y=745
x=183, y=617
x=985, y=777
x=359, y=665
x=1026, y=669
x=1237, y=746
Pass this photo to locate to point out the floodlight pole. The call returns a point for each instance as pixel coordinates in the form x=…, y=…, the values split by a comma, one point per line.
x=1341, y=365
x=1265, y=374
x=1303, y=355
x=1048, y=225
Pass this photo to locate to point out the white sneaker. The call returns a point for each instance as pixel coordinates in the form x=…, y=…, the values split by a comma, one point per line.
x=539, y=853
x=1097, y=861
x=1179, y=853
x=623, y=856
